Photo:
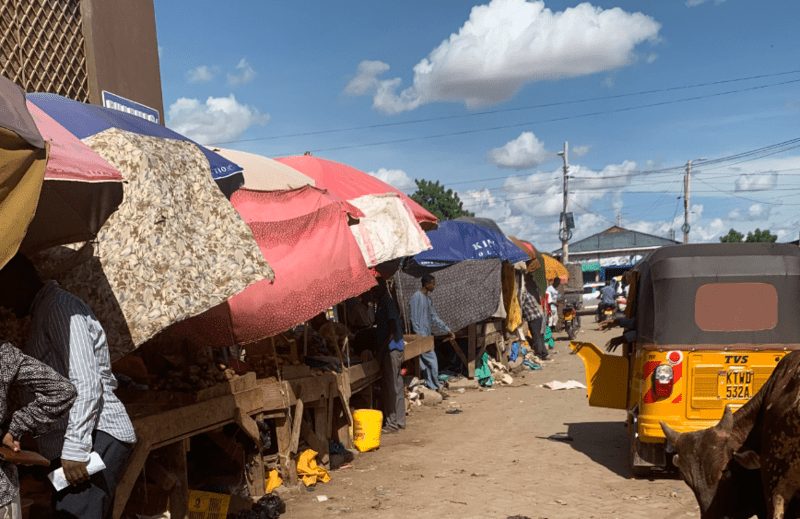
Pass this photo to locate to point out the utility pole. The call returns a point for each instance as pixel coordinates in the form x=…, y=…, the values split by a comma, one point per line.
x=686, y=181
x=564, y=231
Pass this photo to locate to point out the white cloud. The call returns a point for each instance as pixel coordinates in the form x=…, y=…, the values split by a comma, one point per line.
x=524, y=152
x=652, y=57
x=396, y=178
x=694, y=3
x=507, y=44
x=757, y=181
x=220, y=119
x=160, y=51
x=202, y=74
x=365, y=79
x=580, y=151
x=247, y=74
x=608, y=81
x=757, y=211
x=736, y=214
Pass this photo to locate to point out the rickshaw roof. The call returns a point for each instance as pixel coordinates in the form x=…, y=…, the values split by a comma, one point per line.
x=670, y=278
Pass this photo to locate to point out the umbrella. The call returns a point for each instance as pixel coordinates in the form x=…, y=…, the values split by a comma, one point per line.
x=304, y=235
x=554, y=268
x=456, y=241
x=483, y=222
x=264, y=174
x=386, y=230
x=80, y=190
x=350, y=183
x=174, y=249
x=23, y=154
x=536, y=264
x=84, y=120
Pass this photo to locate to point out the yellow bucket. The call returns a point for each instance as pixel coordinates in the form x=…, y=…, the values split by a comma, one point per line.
x=367, y=429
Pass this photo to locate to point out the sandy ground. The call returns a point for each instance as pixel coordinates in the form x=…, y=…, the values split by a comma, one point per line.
x=494, y=460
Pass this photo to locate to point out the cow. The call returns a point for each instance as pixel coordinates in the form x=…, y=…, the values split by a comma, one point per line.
x=719, y=463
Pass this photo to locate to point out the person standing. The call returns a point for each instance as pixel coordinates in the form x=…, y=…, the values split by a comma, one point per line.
x=532, y=315
x=389, y=337
x=53, y=396
x=423, y=316
x=552, y=297
x=66, y=335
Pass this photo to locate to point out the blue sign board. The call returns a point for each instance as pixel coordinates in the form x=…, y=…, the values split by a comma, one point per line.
x=115, y=102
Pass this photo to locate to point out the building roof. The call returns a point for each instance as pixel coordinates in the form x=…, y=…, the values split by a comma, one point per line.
x=617, y=238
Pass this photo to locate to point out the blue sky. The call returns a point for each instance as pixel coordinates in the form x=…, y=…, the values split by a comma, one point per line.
x=455, y=91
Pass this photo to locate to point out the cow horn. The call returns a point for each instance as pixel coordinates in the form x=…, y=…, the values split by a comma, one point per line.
x=671, y=434
x=726, y=423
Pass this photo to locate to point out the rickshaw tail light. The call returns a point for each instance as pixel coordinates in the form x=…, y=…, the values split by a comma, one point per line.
x=662, y=380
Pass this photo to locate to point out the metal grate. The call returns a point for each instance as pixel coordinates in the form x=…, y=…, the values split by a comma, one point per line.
x=42, y=47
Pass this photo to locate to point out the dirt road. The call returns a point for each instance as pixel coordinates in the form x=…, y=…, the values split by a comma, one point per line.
x=494, y=460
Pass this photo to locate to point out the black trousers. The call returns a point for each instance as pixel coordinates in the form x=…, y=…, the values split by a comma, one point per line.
x=535, y=327
x=393, y=390
x=94, y=499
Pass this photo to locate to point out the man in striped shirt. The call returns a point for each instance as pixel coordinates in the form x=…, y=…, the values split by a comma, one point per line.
x=66, y=335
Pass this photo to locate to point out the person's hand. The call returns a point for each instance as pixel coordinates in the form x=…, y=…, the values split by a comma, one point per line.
x=607, y=325
x=10, y=442
x=75, y=471
x=613, y=343
x=451, y=336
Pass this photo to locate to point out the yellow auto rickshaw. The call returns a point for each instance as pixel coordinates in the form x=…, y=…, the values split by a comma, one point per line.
x=705, y=326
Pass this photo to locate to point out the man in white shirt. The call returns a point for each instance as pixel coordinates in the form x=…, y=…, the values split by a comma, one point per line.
x=66, y=335
x=552, y=297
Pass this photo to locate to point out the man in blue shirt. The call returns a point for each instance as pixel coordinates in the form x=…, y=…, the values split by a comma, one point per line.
x=606, y=298
x=389, y=338
x=423, y=315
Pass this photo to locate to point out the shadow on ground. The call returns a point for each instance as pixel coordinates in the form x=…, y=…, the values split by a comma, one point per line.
x=607, y=443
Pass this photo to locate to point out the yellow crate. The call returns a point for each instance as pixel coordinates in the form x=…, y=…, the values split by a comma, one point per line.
x=208, y=505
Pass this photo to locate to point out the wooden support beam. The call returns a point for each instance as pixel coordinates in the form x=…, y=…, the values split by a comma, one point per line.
x=472, y=338
x=179, y=497
x=298, y=417
x=249, y=426
x=136, y=463
x=321, y=428
x=283, y=431
x=460, y=353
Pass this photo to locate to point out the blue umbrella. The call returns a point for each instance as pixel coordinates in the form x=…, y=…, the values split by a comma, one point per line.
x=456, y=241
x=84, y=120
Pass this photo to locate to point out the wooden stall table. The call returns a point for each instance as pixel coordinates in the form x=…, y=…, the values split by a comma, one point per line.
x=479, y=336
x=161, y=424
x=416, y=345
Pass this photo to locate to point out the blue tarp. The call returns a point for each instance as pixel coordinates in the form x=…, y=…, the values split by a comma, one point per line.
x=84, y=120
x=456, y=241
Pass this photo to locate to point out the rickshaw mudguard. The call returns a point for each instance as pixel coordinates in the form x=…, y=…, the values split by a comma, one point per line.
x=606, y=376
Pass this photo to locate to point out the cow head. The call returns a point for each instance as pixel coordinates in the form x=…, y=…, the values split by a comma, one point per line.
x=703, y=459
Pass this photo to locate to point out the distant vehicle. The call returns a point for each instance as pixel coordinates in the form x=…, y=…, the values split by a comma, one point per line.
x=591, y=296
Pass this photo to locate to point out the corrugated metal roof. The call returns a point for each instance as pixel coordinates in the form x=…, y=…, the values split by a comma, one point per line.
x=618, y=240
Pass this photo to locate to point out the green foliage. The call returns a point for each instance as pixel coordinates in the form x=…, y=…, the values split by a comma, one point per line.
x=732, y=237
x=445, y=205
x=757, y=236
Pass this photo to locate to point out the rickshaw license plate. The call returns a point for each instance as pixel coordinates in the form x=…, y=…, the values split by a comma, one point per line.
x=736, y=384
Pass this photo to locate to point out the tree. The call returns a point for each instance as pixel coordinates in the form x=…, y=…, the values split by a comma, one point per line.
x=732, y=237
x=757, y=236
x=445, y=205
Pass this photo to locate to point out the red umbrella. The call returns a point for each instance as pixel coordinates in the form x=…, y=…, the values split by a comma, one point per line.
x=350, y=183
x=304, y=235
x=80, y=190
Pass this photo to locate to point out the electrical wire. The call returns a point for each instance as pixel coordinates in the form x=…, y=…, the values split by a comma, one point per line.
x=508, y=110
x=543, y=121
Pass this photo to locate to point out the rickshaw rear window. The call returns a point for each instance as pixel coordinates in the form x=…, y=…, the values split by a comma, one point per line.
x=736, y=307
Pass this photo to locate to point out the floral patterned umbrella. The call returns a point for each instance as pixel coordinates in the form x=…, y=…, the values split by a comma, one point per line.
x=174, y=249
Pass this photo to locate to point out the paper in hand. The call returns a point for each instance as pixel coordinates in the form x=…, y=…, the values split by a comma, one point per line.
x=94, y=466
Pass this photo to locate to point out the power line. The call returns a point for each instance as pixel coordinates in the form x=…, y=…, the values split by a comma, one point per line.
x=532, y=123
x=508, y=110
